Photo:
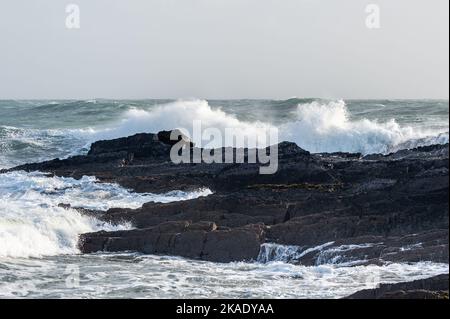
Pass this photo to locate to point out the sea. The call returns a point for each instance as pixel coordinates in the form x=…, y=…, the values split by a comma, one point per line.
x=38, y=239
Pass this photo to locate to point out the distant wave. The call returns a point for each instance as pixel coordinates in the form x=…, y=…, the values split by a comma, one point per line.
x=22, y=145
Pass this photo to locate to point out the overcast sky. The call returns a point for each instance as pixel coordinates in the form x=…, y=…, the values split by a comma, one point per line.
x=224, y=49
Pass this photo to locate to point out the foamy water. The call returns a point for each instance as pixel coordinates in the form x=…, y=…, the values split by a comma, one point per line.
x=32, y=224
x=136, y=276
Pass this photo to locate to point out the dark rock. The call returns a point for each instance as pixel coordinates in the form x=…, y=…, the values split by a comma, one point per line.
x=430, y=288
x=426, y=246
x=182, y=238
x=173, y=137
x=397, y=202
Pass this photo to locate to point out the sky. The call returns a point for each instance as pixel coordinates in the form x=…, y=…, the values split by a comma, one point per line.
x=224, y=49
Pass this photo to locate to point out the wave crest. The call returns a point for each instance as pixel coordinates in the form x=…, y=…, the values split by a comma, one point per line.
x=317, y=126
x=329, y=127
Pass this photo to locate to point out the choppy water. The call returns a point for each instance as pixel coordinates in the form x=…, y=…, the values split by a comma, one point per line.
x=134, y=276
x=38, y=239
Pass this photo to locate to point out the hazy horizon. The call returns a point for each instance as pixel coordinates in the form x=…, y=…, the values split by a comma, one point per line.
x=224, y=49
x=221, y=99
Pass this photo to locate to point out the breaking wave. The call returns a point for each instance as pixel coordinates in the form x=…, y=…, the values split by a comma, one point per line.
x=315, y=125
x=318, y=126
x=329, y=128
x=33, y=225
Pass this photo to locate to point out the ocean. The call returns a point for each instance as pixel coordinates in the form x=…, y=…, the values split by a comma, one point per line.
x=38, y=252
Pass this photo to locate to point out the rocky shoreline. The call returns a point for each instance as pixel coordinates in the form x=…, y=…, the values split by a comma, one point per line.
x=339, y=207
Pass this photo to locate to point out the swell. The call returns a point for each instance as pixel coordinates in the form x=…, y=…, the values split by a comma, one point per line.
x=22, y=145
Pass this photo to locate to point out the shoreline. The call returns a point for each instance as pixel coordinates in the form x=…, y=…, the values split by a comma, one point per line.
x=375, y=208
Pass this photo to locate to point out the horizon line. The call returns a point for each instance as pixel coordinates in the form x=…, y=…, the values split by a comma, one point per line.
x=222, y=99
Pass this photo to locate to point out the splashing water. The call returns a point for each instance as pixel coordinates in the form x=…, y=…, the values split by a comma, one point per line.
x=315, y=125
x=32, y=224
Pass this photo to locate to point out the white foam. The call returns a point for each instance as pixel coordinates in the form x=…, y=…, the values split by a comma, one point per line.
x=181, y=114
x=319, y=126
x=327, y=127
x=324, y=254
x=32, y=224
x=336, y=256
x=316, y=127
x=275, y=252
x=171, y=277
x=287, y=253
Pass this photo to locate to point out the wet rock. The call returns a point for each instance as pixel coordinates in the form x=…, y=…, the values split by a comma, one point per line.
x=173, y=137
x=430, y=288
x=182, y=238
x=364, y=250
x=397, y=202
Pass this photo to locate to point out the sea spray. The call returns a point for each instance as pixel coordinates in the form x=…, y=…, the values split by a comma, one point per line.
x=319, y=126
x=33, y=133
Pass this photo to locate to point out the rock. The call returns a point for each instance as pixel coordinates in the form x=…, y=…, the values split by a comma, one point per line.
x=430, y=288
x=141, y=145
x=397, y=202
x=173, y=137
x=238, y=244
x=426, y=246
x=183, y=238
x=230, y=210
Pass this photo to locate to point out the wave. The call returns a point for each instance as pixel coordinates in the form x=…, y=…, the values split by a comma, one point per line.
x=317, y=126
x=181, y=115
x=33, y=225
x=24, y=145
x=328, y=127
